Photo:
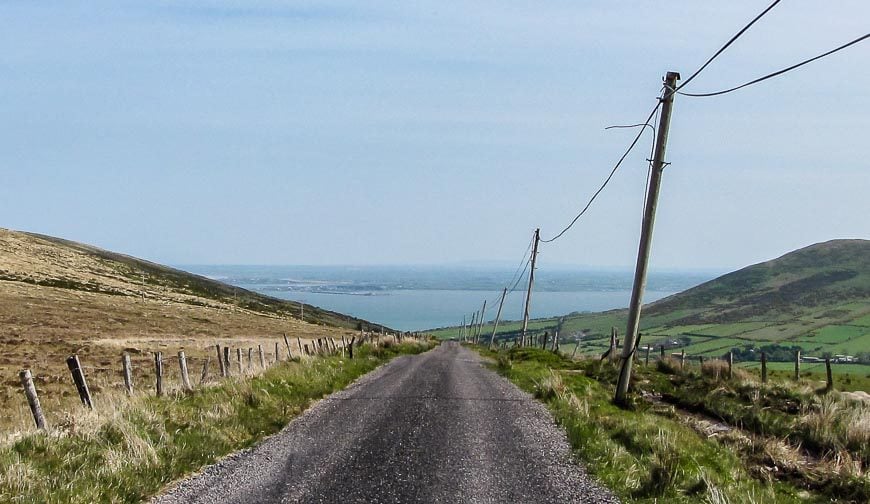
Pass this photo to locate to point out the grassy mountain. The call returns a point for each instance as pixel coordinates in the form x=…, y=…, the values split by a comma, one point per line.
x=59, y=298
x=824, y=274
x=816, y=298
x=83, y=267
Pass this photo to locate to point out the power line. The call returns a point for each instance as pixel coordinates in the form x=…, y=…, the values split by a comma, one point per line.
x=607, y=180
x=522, y=261
x=727, y=44
x=778, y=72
x=514, y=286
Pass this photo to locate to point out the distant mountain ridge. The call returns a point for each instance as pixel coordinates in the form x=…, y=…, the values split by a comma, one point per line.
x=822, y=274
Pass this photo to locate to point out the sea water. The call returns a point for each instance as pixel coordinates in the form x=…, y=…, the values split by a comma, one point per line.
x=413, y=298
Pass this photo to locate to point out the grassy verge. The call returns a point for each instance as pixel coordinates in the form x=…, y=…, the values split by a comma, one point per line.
x=654, y=453
x=128, y=451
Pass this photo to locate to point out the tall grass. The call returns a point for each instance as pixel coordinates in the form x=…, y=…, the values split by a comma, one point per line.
x=652, y=453
x=129, y=448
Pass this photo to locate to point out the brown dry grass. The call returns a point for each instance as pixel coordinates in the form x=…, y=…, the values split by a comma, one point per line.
x=40, y=326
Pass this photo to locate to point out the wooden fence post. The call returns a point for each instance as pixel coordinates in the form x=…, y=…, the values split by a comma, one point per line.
x=158, y=369
x=350, y=348
x=277, y=355
x=262, y=357
x=299, y=343
x=701, y=360
x=797, y=365
x=546, y=337
x=204, y=376
x=127, y=367
x=763, y=367
x=226, y=366
x=682, y=359
x=556, y=341
x=239, y=359
x=250, y=359
x=185, y=377
x=830, y=384
x=662, y=352
x=287, y=344
x=305, y=346
x=730, y=364
x=222, y=364
x=576, y=346
x=78, y=375
x=646, y=359
x=32, y=398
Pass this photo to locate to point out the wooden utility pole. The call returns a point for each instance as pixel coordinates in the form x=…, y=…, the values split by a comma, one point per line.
x=531, y=283
x=480, y=324
x=497, y=317
x=643, y=251
x=470, y=334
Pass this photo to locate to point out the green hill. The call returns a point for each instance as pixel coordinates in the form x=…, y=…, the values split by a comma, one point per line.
x=824, y=274
x=816, y=298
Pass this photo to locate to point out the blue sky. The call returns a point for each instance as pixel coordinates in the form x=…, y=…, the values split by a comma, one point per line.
x=427, y=132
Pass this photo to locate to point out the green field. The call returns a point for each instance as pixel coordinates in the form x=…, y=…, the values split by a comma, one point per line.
x=847, y=377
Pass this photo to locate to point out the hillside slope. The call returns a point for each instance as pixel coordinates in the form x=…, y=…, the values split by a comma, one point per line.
x=824, y=274
x=59, y=297
x=54, y=262
x=816, y=298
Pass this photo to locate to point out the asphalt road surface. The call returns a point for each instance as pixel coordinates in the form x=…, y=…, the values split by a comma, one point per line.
x=437, y=427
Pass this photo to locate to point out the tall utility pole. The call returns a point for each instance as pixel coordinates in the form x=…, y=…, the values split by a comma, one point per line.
x=480, y=324
x=471, y=327
x=497, y=317
x=649, y=217
x=531, y=282
x=462, y=329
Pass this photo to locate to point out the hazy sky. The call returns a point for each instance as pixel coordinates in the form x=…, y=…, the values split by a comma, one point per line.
x=324, y=132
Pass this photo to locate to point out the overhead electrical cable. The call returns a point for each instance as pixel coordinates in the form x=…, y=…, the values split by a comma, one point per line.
x=727, y=44
x=655, y=110
x=607, y=180
x=778, y=72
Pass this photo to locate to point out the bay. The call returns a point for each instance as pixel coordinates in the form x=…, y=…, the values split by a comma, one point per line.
x=412, y=298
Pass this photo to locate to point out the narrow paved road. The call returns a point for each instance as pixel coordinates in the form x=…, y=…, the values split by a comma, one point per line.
x=437, y=427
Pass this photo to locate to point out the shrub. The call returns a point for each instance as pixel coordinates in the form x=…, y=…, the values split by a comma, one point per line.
x=716, y=369
x=668, y=365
